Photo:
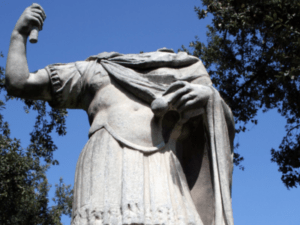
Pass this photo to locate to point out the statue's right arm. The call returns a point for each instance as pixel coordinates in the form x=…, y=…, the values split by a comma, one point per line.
x=19, y=82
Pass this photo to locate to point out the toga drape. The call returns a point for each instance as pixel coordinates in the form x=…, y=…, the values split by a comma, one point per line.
x=119, y=182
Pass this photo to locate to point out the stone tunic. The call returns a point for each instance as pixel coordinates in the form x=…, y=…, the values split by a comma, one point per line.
x=119, y=182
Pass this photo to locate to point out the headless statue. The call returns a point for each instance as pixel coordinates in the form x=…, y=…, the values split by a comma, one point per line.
x=160, y=142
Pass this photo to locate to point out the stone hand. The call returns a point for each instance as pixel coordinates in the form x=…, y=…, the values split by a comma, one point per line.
x=33, y=16
x=186, y=98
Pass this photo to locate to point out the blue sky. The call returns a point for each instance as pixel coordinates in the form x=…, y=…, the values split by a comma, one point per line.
x=75, y=30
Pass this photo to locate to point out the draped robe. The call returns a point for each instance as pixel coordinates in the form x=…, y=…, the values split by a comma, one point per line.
x=120, y=182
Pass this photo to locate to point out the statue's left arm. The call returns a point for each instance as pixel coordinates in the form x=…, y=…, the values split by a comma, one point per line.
x=200, y=97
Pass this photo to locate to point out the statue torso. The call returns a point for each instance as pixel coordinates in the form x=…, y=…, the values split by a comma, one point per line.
x=109, y=103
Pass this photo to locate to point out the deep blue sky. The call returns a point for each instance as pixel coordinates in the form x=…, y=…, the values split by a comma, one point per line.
x=75, y=30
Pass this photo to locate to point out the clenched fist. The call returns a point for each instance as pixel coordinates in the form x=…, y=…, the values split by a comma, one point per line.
x=33, y=16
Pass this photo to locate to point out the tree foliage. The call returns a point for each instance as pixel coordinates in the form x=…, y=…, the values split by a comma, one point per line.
x=253, y=57
x=23, y=182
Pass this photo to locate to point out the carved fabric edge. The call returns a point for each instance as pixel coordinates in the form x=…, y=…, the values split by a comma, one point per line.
x=56, y=91
x=129, y=215
x=127, y=143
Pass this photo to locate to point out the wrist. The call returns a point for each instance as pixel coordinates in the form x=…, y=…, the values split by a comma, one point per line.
x=16, y=35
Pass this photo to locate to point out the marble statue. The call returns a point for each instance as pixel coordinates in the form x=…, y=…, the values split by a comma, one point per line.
x=161, y=137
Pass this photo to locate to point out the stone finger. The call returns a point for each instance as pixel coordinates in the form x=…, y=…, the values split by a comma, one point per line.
x=183, y=100
x=186, y=105
x=177, y=95
x=39, y=12
x=40, y=19
x=175, y=86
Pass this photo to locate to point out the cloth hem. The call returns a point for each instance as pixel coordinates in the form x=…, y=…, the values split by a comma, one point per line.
x=56, y=84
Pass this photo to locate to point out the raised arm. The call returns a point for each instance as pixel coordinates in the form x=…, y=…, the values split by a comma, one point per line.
x=19, y=82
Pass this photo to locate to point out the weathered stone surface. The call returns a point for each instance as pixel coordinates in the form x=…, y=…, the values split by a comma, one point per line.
x=160, y=147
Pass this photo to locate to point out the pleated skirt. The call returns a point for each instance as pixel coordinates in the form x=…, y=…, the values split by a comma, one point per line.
x=117, y=185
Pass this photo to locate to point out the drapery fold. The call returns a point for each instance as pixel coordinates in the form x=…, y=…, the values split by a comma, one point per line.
x=220, y=124
x=222, y=157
